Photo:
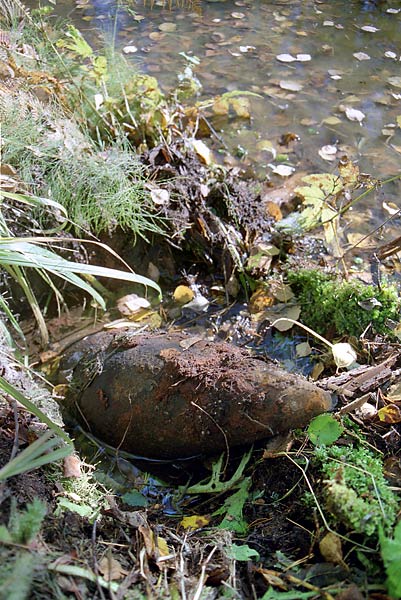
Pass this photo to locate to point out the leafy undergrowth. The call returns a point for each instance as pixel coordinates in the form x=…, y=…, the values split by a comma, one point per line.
x=288, y=519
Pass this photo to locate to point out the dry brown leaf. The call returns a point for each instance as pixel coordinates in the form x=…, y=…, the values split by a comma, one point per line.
x=331, y=549
x=390, y=414
x=131, y=304
x=156, y=547
x=72, y=466
x=273, y=210
x=111, y=569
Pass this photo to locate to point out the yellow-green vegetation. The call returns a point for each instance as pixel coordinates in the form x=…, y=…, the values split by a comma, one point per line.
x=101, y=188
x=356, y=492
x=17, y=569
x=348, y=307
x=391, y=555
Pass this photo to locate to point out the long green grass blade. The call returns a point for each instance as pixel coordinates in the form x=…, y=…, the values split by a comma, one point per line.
x=12, y=391
x=36, y=455
x=27, y=254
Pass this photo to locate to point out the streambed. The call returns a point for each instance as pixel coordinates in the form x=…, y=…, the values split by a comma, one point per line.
x=342, y=95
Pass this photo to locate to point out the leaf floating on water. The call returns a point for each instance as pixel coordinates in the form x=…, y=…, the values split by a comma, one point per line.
x=332, y=121
x=245, y=49
x=282, y=170
x=370, y=28
x=390, y=207
x=335, y=74
x=167, y=27
x=238, y=15
x=130, y=49
x=353, y=114
x=221, y=106
x=349, y=171
x=328, y=152
x=288, y=58
x=361, y=56
x=266, y=146
x=156, y=36
x=292, y=86
x=285, y=58
x=395, y=81
x=390, y=54
x=241, y=107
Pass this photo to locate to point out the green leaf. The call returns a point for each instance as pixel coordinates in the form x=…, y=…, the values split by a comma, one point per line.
x=391, y=555
x=82, y=510
x=134, y=498
x=321, y=188
x=233, y=509
x=28, y=254
x=272, y=594
x=242, y=552
x=324, y=430
x=12, y=391
x=214, y=485
x=75, y=42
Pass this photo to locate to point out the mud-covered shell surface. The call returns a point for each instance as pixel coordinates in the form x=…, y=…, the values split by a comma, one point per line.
x=173, y=395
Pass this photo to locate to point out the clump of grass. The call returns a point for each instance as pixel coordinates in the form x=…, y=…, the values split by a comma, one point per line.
x=348, y=306
x=104, y=191
x=101, y=189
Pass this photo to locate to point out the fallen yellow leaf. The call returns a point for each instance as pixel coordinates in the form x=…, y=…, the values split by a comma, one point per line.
x=194, y=522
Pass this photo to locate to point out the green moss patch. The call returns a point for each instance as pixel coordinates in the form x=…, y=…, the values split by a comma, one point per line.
x=349, y=307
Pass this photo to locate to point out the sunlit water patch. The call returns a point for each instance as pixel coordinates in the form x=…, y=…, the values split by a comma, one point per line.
x=327, y=73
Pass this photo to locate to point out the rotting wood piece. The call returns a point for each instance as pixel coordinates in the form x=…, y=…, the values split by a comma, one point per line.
x=361, y=380
x=176, y=395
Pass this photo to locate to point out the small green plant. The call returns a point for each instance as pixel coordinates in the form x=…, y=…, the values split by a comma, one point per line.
x=233, y=506
x=391, y=555
x=102, y=188
x=24, y=526
x=16, y=575
x=348, y=306
x=324, y=430
x=356, y=492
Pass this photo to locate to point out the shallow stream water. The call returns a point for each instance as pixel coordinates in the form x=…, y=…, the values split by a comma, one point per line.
x=341, y=96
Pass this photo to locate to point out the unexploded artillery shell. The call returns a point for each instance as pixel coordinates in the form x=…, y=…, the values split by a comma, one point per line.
x=176, y=395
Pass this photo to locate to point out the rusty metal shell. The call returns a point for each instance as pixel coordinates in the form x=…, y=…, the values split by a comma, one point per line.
x=173, y=395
